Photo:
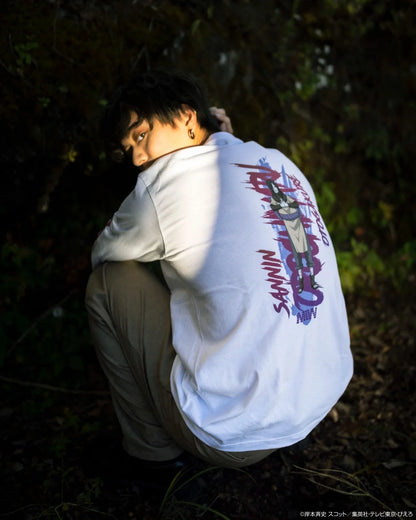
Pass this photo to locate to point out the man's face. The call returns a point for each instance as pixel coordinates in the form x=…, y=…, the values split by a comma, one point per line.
x=147, y=142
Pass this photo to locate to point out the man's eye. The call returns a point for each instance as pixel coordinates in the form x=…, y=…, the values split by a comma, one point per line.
x=140, y=137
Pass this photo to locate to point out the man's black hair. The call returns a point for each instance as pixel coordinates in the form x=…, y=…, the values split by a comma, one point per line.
x=150, y=95
x=277, y=193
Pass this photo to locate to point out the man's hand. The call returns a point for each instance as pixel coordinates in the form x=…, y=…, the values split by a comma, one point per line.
x=223, y=119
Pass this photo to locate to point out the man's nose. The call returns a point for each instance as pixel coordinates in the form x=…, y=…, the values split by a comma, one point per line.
x=139, y=158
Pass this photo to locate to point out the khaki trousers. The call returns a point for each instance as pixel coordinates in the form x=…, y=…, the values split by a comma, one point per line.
x=129, y=317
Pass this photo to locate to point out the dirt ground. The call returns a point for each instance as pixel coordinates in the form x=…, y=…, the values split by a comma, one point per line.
x=359, y=462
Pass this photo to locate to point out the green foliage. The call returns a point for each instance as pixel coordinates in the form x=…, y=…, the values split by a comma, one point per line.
x=359, y=267
x=82, y=505
x=55, y=347
x=332, y=87
x=172, y=508
x=341, y=482
x=24, y=54
x=21, y=260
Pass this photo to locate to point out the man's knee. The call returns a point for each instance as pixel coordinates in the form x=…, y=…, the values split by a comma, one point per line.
x=105, y=277
x=110, y=274
x=122, y=281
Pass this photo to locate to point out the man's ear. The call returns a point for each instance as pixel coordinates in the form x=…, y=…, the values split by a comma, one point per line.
x=189, y=115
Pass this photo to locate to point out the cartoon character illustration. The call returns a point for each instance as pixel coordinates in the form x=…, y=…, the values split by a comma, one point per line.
x=289, y=211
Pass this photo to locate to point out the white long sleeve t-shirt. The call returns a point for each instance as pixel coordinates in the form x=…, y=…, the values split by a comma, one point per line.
x=259, y=327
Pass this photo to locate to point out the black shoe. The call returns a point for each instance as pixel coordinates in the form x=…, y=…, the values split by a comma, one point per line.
x=314, y=285
x=105, y=457
x=300, y=289
x=161, y=472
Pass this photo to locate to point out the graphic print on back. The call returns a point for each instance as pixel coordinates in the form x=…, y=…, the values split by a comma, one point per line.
x=293, y=267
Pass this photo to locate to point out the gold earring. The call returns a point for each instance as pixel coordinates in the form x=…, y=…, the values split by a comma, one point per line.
x=191, y=133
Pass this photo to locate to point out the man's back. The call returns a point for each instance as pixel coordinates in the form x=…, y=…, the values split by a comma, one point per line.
x=258, y=358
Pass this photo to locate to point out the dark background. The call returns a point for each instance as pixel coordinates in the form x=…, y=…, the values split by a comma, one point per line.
x=332, y=85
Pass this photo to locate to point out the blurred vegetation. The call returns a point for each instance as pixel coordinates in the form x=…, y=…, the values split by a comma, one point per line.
x=331, y=85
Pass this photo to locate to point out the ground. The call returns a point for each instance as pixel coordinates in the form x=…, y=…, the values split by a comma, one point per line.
x=359, y=462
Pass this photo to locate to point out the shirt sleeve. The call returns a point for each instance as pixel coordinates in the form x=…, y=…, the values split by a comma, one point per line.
x=133, y=233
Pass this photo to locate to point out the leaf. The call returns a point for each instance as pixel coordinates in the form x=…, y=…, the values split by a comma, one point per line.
x=394, y=463
x=195, y=25
x=408, y=502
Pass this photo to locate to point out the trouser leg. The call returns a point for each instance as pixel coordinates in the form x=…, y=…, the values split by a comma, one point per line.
x=130, y=324
x=129, y=318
